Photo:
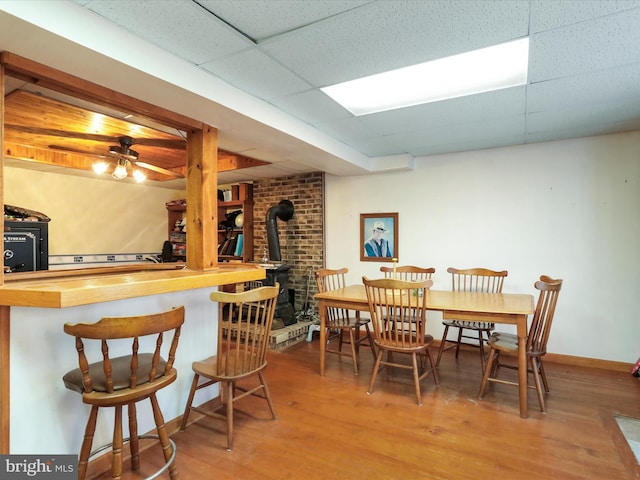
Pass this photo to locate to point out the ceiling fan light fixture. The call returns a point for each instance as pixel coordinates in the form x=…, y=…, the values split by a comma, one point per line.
x=100, y=167
x=120, y=171
x=139, y=176
x=122, y=151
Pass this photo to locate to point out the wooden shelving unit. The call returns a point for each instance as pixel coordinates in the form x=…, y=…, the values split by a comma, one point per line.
x=242, y=199
x=176, y=212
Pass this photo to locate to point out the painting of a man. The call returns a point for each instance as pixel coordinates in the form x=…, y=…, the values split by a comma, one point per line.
x=377, y=245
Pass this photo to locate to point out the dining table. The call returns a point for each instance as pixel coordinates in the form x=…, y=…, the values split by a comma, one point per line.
x=504, y=308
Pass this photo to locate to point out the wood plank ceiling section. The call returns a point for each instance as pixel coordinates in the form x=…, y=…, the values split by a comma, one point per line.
x=47, y=131
x=51, y=132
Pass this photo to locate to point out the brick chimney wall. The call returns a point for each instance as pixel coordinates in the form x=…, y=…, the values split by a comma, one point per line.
x=301, y=238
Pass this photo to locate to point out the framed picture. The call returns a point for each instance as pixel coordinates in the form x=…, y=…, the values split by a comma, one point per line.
x=378, y=237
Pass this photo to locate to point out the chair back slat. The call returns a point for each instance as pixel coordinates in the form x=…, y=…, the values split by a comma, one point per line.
x=409, y=273
x=328, y=279
x=477, y=280
x=243, y=329
x=543, y=316
x=111, y=330
x=398, y=311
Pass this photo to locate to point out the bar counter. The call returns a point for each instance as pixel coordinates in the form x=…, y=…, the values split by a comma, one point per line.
x=35, y=352
x=70, y=288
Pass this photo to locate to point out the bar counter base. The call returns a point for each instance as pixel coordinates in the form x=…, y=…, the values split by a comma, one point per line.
x=33, y=310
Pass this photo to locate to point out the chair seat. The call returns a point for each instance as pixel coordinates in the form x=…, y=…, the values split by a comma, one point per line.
x=504, y=344
x=351, y=322
x=505, y=336
x=508, y=342
x=469, y=325
x=121, y=374
x=232, y=368
x=393, y=344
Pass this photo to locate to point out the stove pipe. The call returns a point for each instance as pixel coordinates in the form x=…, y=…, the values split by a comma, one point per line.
x=283, y=211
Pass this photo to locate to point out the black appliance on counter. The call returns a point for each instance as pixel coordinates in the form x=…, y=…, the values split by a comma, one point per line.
x=26, y=246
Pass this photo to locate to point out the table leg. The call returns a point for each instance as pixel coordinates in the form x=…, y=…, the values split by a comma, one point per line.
x=522, y=365
x=322, y=310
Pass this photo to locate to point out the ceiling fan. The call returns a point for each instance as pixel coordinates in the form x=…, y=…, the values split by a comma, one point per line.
x=122, y=153
x=125, y=155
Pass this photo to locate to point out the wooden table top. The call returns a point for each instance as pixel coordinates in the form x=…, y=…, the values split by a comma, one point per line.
x=494, y=303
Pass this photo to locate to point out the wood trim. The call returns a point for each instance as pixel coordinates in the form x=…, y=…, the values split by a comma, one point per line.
x=202, y=198
x=53, y=79
x=5, y=338
x=585, y=362
x=588, y=362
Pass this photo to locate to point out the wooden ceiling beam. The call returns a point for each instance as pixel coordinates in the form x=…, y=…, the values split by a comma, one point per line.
x=232, y=161
x=53, y=79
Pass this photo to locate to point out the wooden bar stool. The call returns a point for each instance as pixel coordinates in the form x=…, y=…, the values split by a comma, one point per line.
x=125, y=380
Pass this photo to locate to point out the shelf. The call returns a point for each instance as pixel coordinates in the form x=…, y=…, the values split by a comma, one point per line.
x=243, y=200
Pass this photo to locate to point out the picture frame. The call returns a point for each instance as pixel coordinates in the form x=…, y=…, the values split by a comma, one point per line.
x=378, y=237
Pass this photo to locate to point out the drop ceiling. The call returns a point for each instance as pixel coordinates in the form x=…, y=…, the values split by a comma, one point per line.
x=584, y=70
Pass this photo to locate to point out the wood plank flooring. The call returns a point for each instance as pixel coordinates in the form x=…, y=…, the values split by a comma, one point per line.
x=328, y=427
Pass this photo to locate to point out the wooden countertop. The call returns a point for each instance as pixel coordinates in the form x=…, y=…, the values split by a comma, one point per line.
x=70, y=288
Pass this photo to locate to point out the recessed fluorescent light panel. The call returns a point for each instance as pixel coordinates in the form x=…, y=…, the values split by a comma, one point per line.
x=484, y=70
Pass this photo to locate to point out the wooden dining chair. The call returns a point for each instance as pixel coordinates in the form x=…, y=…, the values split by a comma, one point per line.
x=398, y=311
x=409, y=273
x=341, y=322
x=470, y=280
x=125, y=380
x=536, y=345
x=244, y=325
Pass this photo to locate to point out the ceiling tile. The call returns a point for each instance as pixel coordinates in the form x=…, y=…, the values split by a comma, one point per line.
x=182, y=28
x=553, y=14
x=381, y=36
x=261, y=20
x=471, y=108
x=481, y=134
x=593, y=45
x=312, y=106
x=273, y=80
x=610, y=85
x=593, y=118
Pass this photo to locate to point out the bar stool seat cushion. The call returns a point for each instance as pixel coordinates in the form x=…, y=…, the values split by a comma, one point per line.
x=121, y=373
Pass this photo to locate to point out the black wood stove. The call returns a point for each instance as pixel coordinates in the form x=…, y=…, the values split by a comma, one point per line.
x=276, y=271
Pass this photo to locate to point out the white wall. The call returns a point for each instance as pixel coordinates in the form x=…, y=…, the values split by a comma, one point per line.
x=52, y=419
x=92, y=215
x=568, y=209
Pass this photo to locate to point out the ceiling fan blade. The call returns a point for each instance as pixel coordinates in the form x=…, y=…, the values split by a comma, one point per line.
x=161, y=170
x=63, y=133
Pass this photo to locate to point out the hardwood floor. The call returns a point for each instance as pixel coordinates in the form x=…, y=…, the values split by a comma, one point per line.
x=328, y=427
